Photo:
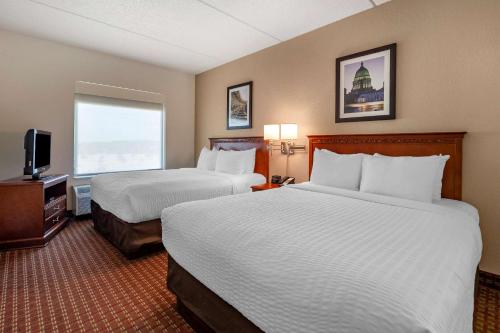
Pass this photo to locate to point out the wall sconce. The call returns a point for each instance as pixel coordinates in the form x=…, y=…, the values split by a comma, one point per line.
x=284, y=132
x=272, y=133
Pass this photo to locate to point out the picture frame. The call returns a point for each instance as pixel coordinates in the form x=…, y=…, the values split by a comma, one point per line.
x=366, y=85
x=239, y=106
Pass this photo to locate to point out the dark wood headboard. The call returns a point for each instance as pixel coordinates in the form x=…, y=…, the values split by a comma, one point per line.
x=404, y=144
x=245, y=143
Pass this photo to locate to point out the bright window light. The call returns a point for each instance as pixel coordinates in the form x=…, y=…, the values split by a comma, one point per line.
x=114, y=135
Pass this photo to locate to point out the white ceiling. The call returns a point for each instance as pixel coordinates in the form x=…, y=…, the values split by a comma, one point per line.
x=189, y=35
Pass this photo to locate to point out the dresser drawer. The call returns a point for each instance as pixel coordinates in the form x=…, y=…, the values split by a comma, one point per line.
x=54, y=219
x=55, y=206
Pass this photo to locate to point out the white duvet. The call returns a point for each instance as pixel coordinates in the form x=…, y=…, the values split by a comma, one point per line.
x=141, y=195
x=316, y=259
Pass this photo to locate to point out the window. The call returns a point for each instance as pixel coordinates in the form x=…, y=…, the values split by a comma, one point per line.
x=117, y=135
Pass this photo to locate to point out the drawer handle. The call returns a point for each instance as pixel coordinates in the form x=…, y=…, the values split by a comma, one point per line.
x=56, y=219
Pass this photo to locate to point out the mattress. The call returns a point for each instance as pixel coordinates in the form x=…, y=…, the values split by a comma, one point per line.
x=141, y=195
x=309, y=258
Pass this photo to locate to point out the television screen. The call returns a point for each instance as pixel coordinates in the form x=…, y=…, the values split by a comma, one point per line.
x=42, y=150
x=37, y=147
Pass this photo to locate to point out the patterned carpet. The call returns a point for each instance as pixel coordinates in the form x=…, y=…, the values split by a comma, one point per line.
x=487, y=305
x=80, y=283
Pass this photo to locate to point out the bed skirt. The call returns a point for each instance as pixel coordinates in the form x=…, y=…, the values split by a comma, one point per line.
x=201, y=307
x=132, y=239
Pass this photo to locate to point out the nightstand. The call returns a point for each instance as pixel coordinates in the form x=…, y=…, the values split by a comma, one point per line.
x=264, y=187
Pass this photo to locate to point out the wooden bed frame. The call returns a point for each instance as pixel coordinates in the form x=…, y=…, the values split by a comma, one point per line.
x=207, y=312
x=136, y=239
x=403, y=144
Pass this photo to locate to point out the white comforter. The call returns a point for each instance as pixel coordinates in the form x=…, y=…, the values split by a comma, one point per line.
x=141, y=195
x=313, y=259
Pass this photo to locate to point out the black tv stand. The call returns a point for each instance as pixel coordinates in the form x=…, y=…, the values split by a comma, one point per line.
x=39, y=177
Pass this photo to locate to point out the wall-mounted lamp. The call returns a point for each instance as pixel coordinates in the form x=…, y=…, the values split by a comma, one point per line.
x=284, y=132
x=272, y=132
x=289, y=132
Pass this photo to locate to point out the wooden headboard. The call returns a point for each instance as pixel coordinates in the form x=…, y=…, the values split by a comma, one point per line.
x=245, y=143
x=404, y=144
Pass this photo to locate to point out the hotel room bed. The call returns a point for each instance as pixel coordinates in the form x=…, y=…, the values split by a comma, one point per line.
x=141, y=195
x=409, y=268
x=126, y=207
x=311, y=258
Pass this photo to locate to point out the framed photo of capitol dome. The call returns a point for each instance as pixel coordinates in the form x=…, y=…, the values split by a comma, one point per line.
x=366, y=85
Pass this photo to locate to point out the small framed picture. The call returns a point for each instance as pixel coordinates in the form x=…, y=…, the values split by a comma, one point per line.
x=239, y=106
x=366, y=85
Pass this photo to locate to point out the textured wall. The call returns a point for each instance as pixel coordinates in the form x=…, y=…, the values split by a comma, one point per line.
x=447, y=80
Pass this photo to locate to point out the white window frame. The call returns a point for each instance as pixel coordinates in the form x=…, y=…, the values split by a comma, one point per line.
x=75, y=135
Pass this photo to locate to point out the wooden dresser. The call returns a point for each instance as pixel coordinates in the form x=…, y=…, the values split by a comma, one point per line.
x=31, y=211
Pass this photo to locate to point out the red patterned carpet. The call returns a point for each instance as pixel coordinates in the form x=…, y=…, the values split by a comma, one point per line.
x=80, y=283
x=487, y=305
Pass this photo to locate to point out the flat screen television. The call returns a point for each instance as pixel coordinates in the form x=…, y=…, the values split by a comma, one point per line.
x=37, y=147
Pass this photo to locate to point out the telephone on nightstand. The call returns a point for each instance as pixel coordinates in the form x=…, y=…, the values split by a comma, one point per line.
x=282, y=180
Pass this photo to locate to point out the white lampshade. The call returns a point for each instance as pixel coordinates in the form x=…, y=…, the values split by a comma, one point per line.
x=272, y=132
x=289, y=131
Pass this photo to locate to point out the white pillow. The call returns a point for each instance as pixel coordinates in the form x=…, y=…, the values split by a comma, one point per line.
x=207, y=159
x=236, y=162
x=337, y=170
x=438, y=181
x=440, y=161
x=404, y=177
x=332, y=152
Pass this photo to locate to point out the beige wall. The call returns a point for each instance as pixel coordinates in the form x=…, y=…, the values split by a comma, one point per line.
x=448, y=67
x=37, y=85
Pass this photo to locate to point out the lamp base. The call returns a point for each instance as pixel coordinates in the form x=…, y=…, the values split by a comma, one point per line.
x=289, y=148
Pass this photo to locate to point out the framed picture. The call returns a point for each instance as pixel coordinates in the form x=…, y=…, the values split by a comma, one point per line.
x=366, y=85
x=239, y=106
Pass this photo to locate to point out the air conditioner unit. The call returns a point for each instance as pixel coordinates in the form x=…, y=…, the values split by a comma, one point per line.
x=82, y=199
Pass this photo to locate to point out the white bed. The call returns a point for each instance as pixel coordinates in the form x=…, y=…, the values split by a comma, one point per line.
x=126, y=206
x=310, y=258
x=141, y=195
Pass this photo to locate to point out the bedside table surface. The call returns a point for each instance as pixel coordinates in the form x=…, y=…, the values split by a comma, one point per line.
x=263, y=187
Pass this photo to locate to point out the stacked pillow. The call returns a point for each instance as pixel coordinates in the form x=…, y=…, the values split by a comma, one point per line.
x=235, y=162
x=207, y=159
x=337, y=170
x=414, y=178
x=435, y=162
x=231, y=161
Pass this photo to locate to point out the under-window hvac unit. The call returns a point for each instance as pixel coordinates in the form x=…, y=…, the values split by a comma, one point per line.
x=82, y=199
